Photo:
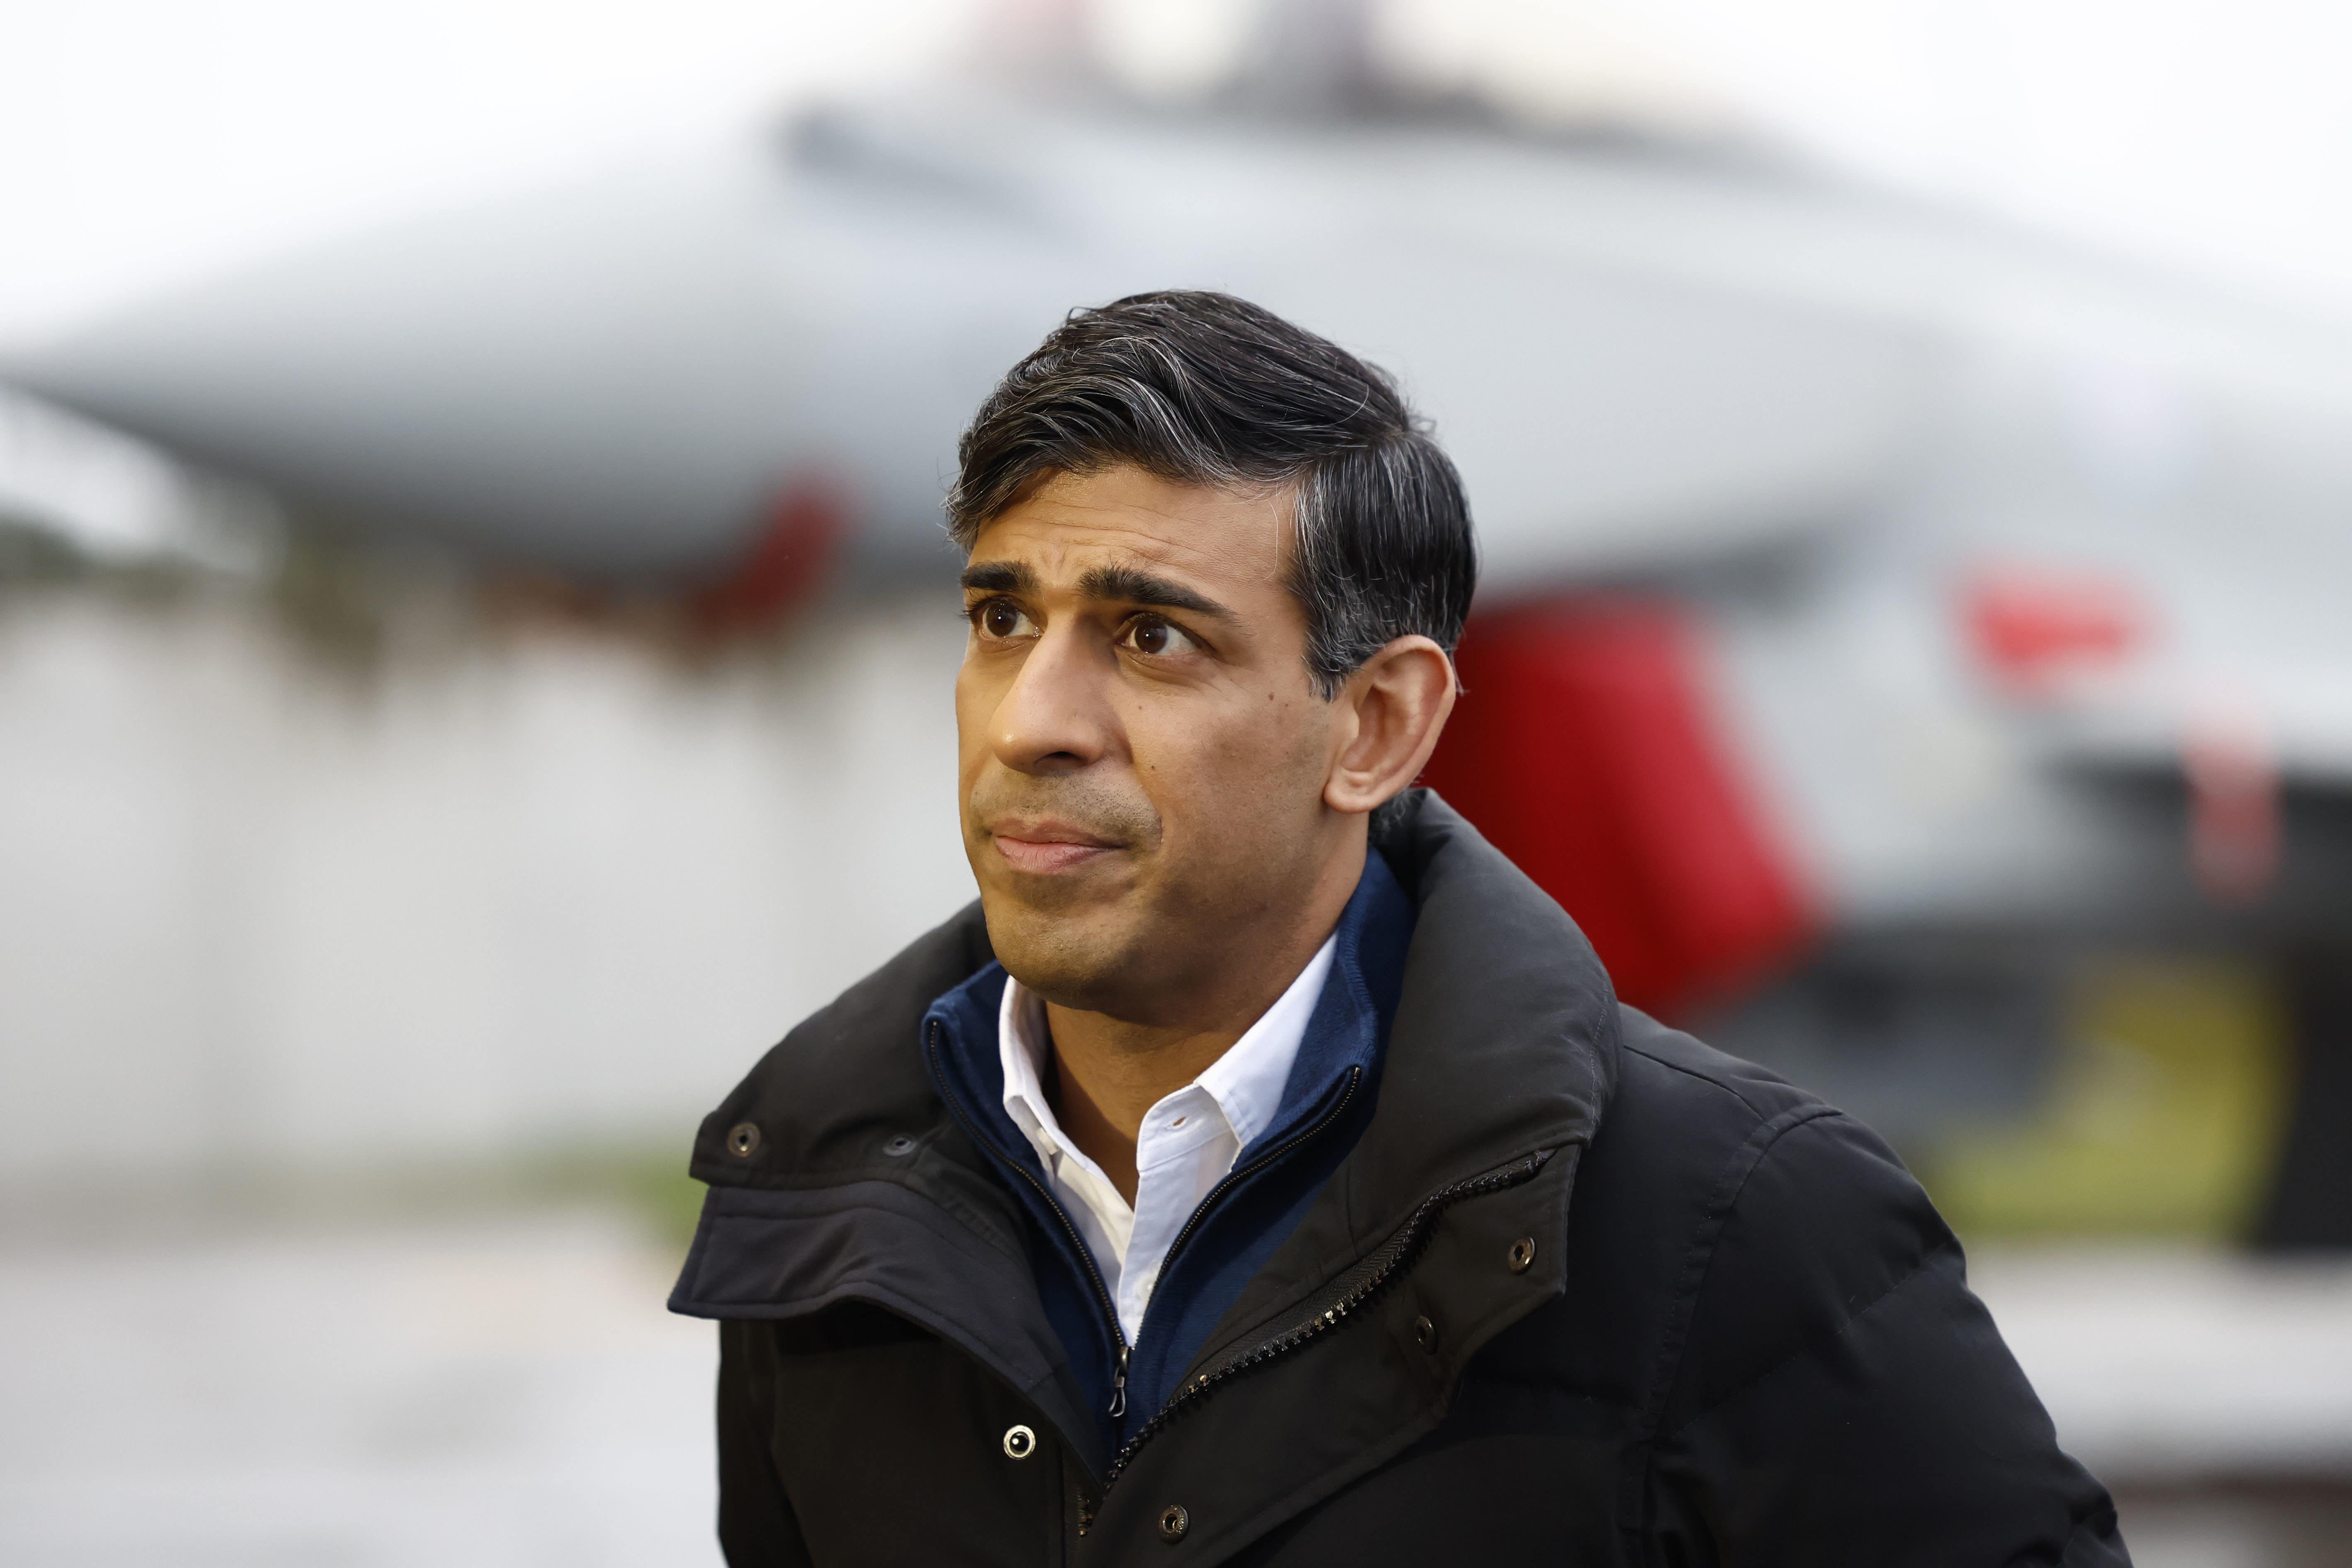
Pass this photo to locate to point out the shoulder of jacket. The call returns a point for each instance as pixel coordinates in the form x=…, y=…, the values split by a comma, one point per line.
x=1774, y=1219
x=1700, y=1080
x=1695, y=1126
x=1684, y=1119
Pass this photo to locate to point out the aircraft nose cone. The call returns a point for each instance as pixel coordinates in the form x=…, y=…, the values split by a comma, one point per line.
x=597, y=377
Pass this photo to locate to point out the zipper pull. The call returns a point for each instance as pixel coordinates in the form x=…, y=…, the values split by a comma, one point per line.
x=1118, y=1384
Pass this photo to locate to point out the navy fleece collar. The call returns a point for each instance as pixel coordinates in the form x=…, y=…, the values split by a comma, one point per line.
x=1328, y=1098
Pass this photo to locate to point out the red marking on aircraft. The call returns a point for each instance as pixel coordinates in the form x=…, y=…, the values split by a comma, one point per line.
x=791, y=556
x=1583, y=748
x=2033, y=628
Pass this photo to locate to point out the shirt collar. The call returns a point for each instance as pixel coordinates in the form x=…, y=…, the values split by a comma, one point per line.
x=1346, y=1031
x=1019, y=1035
x=1245, y=1084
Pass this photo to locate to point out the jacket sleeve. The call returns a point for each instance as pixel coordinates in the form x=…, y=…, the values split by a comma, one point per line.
x=1838, y=1395
x=757, y=1527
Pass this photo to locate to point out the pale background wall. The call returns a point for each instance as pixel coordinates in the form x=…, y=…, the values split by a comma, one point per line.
x=503, y=885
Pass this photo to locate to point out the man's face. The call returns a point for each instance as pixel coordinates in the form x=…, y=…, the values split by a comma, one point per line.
x=1142, y=755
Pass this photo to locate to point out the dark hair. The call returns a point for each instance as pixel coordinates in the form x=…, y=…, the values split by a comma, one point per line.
x=1203, y=388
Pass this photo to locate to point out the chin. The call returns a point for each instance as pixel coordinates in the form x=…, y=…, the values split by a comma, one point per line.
x=1077, y=957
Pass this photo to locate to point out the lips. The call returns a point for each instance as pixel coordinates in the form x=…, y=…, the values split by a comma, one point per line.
x=1045, y=847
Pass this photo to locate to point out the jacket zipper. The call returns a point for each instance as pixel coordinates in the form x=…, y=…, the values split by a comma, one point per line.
x=1369, y=1279
x=1233, y=1178
x=1078, y=1243
x=1117, y=1405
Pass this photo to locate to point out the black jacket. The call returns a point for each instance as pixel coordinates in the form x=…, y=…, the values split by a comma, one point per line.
x=1584, y=1291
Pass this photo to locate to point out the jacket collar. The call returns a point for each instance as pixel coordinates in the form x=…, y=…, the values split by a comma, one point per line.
x=1343, y=1031
x=1504, y=1047
x=1505, y=1037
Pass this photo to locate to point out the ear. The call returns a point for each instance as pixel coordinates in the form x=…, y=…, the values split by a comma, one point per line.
x=1394, y=707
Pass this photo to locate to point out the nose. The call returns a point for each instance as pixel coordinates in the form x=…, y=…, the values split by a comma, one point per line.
x=1055, y=718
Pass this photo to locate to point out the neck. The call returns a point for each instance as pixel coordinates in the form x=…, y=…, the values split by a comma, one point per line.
x=1109, y=1071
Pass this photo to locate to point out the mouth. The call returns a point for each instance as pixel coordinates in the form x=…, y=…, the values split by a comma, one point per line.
x=1045, y=847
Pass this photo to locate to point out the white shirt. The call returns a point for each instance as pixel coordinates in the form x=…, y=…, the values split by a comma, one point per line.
x=1188, y=1143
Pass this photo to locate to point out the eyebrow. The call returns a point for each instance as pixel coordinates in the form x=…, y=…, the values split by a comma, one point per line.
x=999, y=577
x=1133, y=586
x=1120, y=584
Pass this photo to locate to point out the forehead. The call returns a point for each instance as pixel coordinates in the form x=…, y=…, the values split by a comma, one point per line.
x=1230, y=540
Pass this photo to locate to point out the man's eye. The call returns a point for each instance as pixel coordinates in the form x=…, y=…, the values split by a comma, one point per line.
x=1000, y=618
x=1157, y=639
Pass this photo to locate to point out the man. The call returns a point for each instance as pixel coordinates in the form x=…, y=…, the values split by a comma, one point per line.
x=1262, y=1172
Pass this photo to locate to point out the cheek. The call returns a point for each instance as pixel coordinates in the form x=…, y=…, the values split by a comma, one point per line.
x=1257, y=757
x=975, y=701
x=1292, y=734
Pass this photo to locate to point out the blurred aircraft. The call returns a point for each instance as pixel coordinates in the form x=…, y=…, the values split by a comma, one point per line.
x=1878, y=603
